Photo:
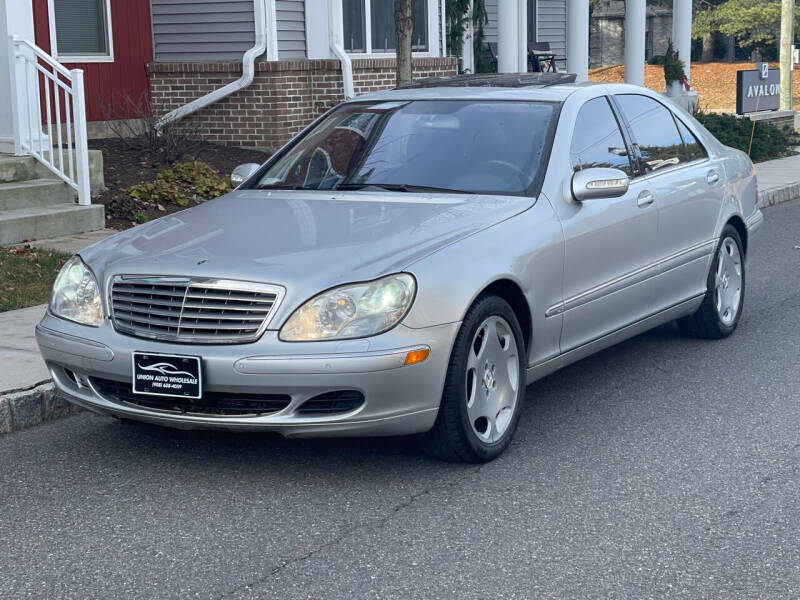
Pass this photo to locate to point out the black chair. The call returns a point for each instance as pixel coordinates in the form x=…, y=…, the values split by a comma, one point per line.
x=541, y=58
x=490, y=55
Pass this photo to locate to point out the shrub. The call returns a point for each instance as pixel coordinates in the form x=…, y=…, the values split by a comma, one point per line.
x=769, y=141
x=140, y=217
x=191, y=180
x=656, y=59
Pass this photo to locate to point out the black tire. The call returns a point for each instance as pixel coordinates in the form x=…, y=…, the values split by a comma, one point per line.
x=452, y=437
x=706, y=322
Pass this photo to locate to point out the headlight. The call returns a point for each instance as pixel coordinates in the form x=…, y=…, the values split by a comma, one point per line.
x=352, y=311
x=75, y=294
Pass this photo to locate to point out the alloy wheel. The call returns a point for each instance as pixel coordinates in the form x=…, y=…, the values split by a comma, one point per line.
x=728, y=281
x=493, y=379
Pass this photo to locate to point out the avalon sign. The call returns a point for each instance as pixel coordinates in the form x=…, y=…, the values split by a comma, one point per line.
x=758, y=90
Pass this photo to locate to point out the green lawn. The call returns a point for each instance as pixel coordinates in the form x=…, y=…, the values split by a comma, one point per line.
x=27, y=275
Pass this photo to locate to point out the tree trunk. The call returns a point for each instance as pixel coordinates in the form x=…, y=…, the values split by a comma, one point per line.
x=708, y=48
x=730, y=48
x=403, y=24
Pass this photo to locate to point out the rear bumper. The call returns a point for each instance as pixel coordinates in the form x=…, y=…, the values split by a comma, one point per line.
x=399, y=399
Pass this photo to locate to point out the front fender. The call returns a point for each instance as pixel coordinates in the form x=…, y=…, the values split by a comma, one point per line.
x=527, y=249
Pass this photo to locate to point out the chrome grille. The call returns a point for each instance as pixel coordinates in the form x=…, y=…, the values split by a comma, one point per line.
x=208, y=311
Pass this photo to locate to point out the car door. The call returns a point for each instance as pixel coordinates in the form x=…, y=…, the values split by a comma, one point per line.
x=688, y=187
x=609, y=248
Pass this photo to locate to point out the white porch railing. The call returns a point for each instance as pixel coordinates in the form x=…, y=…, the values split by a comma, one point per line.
x=49, y=110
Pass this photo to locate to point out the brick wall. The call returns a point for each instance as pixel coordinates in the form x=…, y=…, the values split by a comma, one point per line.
x=284, y=97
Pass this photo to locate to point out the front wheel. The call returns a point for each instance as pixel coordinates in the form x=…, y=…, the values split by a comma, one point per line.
x=721, y=309
x=484, y=388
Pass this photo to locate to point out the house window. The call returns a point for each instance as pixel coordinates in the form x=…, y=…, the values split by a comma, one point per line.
x=80, y=30
x=369, y=25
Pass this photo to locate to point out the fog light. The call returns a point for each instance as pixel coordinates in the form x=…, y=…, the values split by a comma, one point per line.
x=417, y=356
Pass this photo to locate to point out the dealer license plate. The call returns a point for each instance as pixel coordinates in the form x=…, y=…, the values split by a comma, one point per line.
x=167, y=375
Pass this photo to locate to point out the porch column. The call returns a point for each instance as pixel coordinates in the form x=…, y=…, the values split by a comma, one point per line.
x=682, y=31
x=522, y=35
x=578, y=38
x=16, y=17
x=635, y=25
x=467, y=51
x=507, y=37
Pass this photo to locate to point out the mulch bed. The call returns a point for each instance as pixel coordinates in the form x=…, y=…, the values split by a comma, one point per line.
x=124, y=167
x=715, y=82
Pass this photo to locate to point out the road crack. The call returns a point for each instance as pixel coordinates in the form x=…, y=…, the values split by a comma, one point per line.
x=376, y=522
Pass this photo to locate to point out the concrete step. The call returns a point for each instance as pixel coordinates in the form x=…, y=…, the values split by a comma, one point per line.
x=35, y=192
x=40, y=222
x=24, y=168
x=18, y=168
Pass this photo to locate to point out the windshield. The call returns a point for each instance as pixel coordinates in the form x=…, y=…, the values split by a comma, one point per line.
x=463, y=146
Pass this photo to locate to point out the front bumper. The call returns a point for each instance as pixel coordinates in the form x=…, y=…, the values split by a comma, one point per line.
x=399, y=399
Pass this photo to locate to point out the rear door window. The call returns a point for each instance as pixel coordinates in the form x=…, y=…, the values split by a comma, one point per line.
x=654, y=131
x=694, y=149
x=597, y=140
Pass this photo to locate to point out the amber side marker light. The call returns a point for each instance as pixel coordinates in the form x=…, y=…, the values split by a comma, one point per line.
x=417, y=356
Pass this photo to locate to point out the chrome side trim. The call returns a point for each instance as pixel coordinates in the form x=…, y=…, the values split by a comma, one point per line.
x=547, y=366
x=359, y=362
x=626, y=280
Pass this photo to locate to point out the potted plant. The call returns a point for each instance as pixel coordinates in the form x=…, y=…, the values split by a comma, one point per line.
x=674, y=76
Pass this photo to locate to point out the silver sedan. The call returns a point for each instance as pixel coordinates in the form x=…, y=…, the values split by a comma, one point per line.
x=409, y=263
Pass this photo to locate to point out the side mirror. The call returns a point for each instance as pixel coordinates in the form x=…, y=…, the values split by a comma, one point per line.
x=598, y=182
x=242, y=173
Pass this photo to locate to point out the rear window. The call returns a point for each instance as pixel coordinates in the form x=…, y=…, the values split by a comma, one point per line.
x=492, y=147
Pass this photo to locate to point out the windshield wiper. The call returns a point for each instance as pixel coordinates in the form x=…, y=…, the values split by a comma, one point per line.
x=400, y=187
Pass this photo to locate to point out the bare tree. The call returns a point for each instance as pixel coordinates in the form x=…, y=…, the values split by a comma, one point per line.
x=166, y=144
x=403, y=24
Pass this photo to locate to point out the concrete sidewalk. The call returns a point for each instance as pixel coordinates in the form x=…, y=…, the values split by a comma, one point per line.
x=778, y=180
x=23, y=368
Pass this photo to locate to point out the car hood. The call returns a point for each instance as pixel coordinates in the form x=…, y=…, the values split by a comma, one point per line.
x=304, y=241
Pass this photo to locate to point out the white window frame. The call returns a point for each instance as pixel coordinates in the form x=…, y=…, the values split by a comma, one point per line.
x=80, y=58
x=434, y=45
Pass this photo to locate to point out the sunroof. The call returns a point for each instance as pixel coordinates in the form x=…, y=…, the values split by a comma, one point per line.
x=493, y=80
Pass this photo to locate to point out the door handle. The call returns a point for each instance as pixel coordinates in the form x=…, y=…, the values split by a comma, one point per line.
x=645, y=198
x=712, y=177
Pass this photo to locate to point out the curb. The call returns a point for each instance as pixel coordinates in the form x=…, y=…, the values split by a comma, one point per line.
x=778, y=195
x=20, y=410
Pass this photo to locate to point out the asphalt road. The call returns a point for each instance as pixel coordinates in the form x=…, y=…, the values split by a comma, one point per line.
x=663, y=467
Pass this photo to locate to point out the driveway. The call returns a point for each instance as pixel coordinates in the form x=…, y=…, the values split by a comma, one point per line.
x=663, y=467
